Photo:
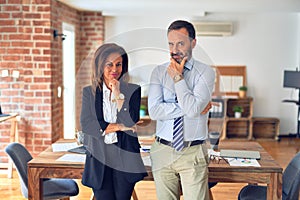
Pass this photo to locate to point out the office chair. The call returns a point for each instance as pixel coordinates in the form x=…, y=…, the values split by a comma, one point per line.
x=52, y=188
x=290, y=184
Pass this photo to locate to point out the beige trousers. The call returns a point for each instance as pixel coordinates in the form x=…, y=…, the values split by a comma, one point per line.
x=190, y=167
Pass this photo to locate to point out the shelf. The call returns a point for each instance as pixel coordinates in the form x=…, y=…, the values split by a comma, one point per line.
x=265, y=127
x=238, y=127
x=245, y=103
x=238, y=119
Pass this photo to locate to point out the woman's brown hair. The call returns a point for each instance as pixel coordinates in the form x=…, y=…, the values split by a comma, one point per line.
x=98, y=63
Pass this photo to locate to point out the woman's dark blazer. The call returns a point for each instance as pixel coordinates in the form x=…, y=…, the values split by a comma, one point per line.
x=123, y=156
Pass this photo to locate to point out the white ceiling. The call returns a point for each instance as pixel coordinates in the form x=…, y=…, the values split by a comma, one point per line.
x=182, y=7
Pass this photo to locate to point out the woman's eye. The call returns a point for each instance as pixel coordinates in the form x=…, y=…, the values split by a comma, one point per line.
x=108, y=64
x=119, y=64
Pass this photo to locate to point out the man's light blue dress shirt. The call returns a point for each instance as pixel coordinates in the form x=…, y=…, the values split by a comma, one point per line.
x=193, y=94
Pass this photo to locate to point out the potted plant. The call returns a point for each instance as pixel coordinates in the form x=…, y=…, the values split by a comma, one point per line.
x=243, y=91
x=143, y=109
x=237, y=111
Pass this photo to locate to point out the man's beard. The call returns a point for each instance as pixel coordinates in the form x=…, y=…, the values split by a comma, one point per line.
x=178, y=57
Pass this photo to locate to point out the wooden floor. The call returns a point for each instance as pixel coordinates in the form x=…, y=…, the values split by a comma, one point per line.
x=282, y=152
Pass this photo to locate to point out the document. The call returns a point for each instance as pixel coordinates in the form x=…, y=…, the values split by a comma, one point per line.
x=145, y=148
x=244, y=162
x=146, y=160
x=63, y=146
x=72, y=158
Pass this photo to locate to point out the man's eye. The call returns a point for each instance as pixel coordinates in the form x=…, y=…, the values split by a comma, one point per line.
x=180, y=44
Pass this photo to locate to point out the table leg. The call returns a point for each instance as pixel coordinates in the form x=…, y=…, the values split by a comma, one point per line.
x=13, y=138
x=35, y=184
x=273, y=191
x=134, y=196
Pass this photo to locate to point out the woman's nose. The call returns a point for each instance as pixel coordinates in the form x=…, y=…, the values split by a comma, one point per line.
x=114, y=68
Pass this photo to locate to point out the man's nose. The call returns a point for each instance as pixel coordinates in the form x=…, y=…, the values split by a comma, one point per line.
x=174, y=49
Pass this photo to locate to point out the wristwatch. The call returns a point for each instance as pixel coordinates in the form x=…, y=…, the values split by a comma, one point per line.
x=177, y=78
x=120, y=97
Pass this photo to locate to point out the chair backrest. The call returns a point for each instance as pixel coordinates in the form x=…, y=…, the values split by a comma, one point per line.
x=20, y=157
x=291, y=179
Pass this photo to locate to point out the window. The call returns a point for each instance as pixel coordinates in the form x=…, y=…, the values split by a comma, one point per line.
x=229, y=79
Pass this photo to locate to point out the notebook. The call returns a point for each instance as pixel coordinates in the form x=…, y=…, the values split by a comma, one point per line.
x=239, y=154
x=80, y=149
x=2, y=114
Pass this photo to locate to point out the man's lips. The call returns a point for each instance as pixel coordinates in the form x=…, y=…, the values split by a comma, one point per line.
x=176, y=56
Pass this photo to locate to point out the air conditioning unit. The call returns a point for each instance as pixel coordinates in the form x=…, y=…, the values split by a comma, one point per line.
x=213, y=28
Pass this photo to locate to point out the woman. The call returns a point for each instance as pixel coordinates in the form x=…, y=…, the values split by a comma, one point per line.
x=110, y=112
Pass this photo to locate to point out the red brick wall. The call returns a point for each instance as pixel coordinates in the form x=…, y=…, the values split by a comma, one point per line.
x=27, y=45
x=91, y=36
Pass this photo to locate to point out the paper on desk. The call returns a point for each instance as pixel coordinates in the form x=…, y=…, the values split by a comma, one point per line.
x=145, y=148
x=146, y=160
x=63, y=146
x=72, y=158
x=211, y=152
x=244, y=162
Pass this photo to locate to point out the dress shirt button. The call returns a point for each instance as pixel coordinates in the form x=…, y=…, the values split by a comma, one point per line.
x=125, y=109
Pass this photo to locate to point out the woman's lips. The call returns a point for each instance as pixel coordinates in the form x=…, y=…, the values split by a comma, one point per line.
x=114, y=75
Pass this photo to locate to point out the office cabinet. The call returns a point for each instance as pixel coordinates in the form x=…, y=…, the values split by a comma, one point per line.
x=238, y=127
x=265, y=127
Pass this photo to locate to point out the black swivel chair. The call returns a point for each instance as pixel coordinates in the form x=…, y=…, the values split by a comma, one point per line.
x=52, y=188
x=290, y=184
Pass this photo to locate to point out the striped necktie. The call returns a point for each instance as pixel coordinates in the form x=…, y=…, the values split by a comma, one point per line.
x=178, y=133
x=178, y=137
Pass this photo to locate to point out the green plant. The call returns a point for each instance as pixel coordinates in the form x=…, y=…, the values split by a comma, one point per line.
x=238, y=109
x=243, y=88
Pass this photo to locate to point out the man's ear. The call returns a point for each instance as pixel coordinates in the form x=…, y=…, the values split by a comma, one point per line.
x=194, y=42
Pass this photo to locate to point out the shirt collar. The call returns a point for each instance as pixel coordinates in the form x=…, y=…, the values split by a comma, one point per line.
x=189, y=64
x=105, y=89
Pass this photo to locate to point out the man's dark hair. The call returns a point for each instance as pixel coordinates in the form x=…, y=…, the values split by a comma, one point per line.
x=176, y=25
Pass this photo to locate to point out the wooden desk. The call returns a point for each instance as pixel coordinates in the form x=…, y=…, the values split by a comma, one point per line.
x=270, y=173
x=13, y=118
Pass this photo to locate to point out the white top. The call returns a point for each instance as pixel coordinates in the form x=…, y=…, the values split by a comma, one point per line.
x=110, y=114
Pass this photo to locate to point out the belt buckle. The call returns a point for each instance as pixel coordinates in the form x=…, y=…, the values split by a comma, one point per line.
x=188, y=143
x=158, y=139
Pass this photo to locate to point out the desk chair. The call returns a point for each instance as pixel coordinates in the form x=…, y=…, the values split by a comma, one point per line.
x=290, y=184
x=52, y=188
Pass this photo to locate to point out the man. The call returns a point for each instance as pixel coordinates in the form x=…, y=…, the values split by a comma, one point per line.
x=179, y=91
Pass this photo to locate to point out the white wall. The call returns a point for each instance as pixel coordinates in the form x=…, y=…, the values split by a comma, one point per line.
x=266, y=43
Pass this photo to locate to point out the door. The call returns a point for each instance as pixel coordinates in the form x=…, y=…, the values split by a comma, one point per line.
x=69, y=80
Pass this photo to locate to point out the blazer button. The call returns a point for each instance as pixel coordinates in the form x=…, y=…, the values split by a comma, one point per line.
x=125, y=109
